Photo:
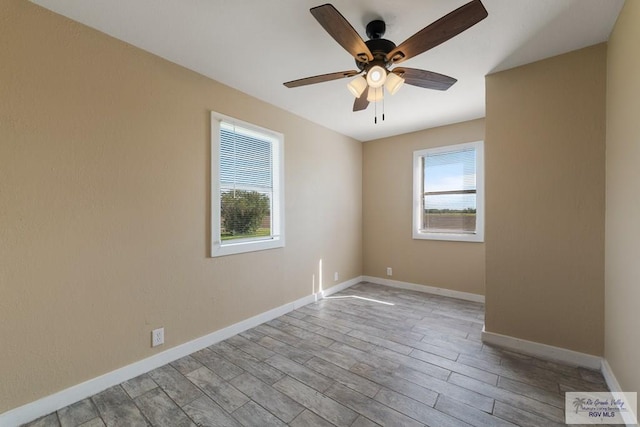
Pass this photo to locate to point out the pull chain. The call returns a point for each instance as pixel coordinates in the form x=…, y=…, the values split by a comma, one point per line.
x=382, y=106
x=375, y=107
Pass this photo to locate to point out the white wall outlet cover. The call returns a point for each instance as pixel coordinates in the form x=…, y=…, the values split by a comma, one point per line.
x=157, y=337
x=335, y=276
x=389, y=271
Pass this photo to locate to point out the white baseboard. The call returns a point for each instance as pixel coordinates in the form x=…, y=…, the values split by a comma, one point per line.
x=424, y=288
x=341, y=287
x=609, y=377
x=31, y=411
x=614, y=386
x=544, y=351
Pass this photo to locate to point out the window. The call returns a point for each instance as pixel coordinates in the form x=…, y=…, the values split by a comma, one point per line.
x=448, y=184
x=247, y=204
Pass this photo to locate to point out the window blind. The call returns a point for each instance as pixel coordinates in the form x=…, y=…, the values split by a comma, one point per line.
x=450, y=191
x=246, y=158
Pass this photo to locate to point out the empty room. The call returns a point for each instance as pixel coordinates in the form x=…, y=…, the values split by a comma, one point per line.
x=362, y=213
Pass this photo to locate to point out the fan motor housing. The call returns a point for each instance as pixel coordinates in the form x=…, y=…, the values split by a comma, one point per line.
x=378, y=46
x=379, y=49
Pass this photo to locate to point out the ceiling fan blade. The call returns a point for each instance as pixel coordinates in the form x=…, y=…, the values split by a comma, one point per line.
x=339, y=28
x=424, y=78
x=440, y=31
x=361, y=102
x=322, y=78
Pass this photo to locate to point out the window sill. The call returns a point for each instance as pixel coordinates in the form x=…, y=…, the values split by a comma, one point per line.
x=225, y=249
x=451, y=237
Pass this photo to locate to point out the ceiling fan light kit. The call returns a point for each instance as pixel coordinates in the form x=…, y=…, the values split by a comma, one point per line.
x=375, y=94
x=357, y=86
x=376, y=56
x=376, y=76
x=393, y=83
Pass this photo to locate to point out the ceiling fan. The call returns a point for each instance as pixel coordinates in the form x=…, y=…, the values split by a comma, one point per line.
x=375, y=57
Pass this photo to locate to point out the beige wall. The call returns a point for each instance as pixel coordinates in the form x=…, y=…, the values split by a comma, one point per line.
x=387, y=206
x=104, y=206
x=545, y=184
x=622, y=269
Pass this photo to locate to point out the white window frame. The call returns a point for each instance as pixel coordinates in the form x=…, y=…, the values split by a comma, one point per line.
x=276, y=240
x=418, y=192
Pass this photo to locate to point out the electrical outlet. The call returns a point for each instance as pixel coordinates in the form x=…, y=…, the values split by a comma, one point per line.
x=335, y=276
x=157, y=337
x=389, y=271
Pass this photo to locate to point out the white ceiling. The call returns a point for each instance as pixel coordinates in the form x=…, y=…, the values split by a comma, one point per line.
x=256, y=45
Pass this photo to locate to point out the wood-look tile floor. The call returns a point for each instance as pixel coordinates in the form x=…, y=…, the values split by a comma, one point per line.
x=370, y=355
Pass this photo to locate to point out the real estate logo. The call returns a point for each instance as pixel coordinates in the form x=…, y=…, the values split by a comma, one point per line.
x=600, y=408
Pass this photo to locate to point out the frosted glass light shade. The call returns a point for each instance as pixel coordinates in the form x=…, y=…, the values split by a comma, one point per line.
x=375, y=94
x=357, y=86
x=393, y=83
x=376, y=76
